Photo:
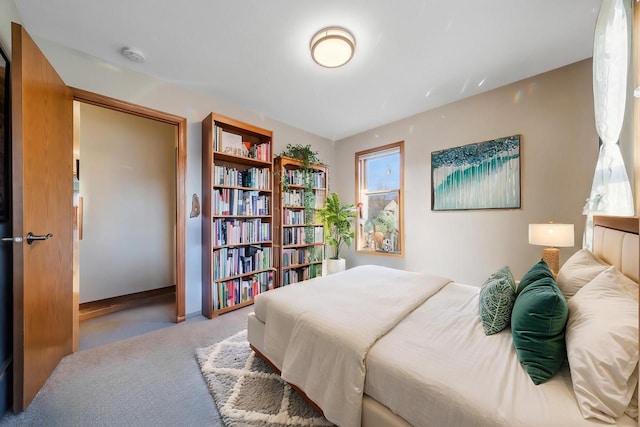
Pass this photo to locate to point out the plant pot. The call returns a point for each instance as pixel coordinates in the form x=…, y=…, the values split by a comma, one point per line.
x=335, y=265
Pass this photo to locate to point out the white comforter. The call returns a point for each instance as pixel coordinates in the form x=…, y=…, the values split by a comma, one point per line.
x=450, y=374
x=325, y=332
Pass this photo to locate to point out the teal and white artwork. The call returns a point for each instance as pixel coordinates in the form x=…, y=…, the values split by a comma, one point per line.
x=485, y=175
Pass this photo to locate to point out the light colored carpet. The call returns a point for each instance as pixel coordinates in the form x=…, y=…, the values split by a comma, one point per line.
x=147, y=380
x=248, y=392
x=130, y=322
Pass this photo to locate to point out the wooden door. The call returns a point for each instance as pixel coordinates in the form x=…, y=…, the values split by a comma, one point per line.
x=42, y=203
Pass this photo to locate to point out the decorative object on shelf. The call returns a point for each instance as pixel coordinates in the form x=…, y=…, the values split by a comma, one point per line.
x=611, y=191
x=485, y=175
x=332, y=47
x=195, y=206
x=338, y=220
x=554, y=236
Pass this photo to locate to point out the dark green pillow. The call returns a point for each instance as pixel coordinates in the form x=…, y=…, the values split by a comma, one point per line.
x=496, y=301
x=537, y=325
x=538, y=271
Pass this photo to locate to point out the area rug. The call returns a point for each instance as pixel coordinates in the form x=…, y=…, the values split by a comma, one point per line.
x=248, y=392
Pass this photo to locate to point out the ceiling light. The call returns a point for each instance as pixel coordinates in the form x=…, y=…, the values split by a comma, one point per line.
x=132, y=54
x=332, y=47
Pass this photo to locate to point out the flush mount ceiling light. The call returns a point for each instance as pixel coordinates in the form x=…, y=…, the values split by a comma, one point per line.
x=132, y=54
x=332, y=47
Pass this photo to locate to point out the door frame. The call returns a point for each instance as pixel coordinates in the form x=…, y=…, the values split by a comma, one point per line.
x=98, y=100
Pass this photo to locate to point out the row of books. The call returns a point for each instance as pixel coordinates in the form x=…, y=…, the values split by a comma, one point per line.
x=253, y=177
x=295, y=217
x=296, y=275
x=294, y=198
x=231, y=231
x=293, y=256
x=298, y=176
x=261, y=152
x=236, y=261
x=302, y=235
x=231, y=201
x=236, y=291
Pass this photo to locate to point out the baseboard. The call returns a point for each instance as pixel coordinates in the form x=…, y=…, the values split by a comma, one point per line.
x=90, y=310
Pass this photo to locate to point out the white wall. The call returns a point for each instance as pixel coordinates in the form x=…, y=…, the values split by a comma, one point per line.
x=127, y=181
x=89, y=73
x=559, y=146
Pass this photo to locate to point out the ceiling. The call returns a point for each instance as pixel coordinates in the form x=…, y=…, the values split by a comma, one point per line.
x=411, y=56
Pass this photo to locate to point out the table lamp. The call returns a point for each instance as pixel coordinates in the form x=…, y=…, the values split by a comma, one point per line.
x=554, y=236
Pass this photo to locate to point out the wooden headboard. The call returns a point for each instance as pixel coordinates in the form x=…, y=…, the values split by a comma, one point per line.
x=616, y=241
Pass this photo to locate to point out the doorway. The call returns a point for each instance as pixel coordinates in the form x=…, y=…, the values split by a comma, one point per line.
x=173, y=263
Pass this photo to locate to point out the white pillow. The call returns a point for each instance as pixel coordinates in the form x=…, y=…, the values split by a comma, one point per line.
x=602, y=345
x=580, y=269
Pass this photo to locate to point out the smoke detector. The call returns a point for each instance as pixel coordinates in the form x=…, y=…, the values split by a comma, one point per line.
x=132, y=54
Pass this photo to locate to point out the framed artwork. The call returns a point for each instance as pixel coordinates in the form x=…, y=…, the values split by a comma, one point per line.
x=484, y=175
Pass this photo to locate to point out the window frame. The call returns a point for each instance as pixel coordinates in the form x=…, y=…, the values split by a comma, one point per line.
x=360, y=178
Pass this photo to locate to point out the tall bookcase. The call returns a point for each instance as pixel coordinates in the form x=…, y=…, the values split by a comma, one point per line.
x=237, y=207
x=298, y=235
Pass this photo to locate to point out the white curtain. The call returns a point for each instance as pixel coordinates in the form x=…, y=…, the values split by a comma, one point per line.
x=611, y=191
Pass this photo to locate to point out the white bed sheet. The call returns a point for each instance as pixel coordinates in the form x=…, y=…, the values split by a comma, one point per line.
x=444, y=377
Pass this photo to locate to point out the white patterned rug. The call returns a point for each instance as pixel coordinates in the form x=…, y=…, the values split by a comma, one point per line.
x=248, y=392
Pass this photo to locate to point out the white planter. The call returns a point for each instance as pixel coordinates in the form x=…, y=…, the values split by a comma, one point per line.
x=335, y=265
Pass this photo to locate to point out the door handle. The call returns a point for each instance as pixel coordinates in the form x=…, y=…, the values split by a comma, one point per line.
x=33, y=237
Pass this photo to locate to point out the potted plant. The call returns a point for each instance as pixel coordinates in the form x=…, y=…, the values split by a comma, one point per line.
x=337, y=219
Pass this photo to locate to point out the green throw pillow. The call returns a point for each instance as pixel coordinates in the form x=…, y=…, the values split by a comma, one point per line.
x=496, y=301
x=538, y=271
x=537, y=325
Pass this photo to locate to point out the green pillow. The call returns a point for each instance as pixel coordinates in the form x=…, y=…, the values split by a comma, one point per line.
x=538, y=271
x=537, y=325
x=496, y=301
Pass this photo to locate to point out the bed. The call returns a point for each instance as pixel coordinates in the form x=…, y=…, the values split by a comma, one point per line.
x=416, y=354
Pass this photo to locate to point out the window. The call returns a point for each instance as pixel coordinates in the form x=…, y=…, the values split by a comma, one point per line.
x=379, y=181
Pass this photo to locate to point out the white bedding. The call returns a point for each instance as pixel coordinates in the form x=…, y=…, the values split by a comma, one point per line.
x=319, y=335
x=444, y=365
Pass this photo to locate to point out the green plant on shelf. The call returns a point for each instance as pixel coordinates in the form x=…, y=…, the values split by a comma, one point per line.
x=307, y=158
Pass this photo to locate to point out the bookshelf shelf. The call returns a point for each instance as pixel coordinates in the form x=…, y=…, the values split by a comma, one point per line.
x=240, y=216
x=238, y=276
x=302, y=245
x=289, y=267
x=234, y=245
x=231, y=187
x=298, y=236
x=237, y=209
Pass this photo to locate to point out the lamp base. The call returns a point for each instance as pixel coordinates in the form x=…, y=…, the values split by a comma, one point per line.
x=552, y=257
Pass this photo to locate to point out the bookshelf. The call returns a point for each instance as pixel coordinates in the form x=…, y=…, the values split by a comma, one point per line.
x=237, y=206
x=298, y=235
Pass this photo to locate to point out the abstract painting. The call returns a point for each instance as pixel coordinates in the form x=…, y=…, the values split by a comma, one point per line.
x=485, y=175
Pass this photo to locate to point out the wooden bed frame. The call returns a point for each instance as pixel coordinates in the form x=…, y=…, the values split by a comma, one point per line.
x=375, y=414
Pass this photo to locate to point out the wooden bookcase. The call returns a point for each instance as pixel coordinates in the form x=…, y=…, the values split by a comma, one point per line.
x=298, y=236
x=237, y=207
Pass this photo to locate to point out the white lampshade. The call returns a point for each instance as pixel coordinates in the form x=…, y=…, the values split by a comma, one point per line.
x=554, y=235
x=332, y=47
